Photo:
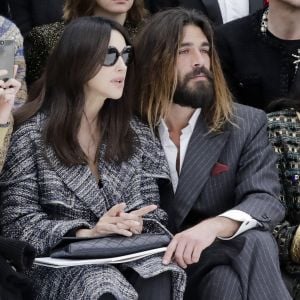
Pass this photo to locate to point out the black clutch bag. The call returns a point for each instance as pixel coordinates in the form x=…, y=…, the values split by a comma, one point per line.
x=110, y=246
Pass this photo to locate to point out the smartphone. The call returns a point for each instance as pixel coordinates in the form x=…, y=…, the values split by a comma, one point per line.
x=7, y=58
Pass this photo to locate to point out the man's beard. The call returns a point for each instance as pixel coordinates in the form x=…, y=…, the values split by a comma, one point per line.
x=201, y=95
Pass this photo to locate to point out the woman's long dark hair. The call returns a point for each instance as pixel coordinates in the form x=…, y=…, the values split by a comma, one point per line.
x=59, y=94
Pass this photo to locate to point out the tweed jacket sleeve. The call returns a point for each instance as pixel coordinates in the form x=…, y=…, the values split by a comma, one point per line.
x=22, y=216
x=283, y=128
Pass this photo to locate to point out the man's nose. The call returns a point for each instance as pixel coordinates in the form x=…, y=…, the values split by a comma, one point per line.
x=198, y=59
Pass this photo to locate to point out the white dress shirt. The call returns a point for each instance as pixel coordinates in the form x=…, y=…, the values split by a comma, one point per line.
x=170, y=150
x=233, y=9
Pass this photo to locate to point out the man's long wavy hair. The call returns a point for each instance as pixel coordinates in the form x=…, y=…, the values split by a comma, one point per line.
x=79, y=8
x=156, y=51
x=59, y=94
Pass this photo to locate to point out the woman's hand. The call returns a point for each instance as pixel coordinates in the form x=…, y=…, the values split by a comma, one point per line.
x=139, y=213
x=8, y=91
x=116, y=221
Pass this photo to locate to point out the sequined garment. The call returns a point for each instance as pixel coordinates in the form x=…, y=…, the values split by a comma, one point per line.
x=9, y=31
x=284, y=134
x=41, y=41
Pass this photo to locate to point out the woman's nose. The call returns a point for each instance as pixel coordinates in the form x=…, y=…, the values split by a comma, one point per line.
x=120, y=64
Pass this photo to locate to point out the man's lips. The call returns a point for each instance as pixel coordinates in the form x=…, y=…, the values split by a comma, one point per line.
x=199, y=77
x=120, y=1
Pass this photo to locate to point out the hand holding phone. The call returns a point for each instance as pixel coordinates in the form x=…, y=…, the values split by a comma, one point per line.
x=7, y=58
x=8, y=91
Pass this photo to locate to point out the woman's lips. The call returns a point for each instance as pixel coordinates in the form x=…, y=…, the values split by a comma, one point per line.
x=118, y=81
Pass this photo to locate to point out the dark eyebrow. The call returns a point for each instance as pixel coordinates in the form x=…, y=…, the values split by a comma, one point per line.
x=189, y=44
x=205, y=44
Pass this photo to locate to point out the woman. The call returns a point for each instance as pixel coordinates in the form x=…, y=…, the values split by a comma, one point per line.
x=78, y=166
x=284, y=134
x=42, y=39
x=9, y=31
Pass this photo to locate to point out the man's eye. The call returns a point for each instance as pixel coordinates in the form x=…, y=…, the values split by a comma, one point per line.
x=204, y=51
x=184, y=51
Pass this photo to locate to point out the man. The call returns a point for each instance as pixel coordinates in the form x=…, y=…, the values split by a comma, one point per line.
x=218, y=11
x=260, y=54
x=222, y=167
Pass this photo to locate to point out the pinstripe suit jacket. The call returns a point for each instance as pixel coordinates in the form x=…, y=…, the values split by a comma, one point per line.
x=250, y=184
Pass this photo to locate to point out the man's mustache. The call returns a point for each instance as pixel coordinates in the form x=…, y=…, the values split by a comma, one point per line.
x=199, y=71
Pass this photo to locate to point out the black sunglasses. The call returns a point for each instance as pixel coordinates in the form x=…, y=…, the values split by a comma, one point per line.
x=113, y=54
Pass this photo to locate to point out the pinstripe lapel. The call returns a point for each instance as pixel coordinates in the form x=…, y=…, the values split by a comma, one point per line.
x=203, y=152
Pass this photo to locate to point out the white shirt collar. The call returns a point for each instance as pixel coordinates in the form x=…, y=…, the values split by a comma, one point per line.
x=170, y=148
x=164, y=131
x=233, y=9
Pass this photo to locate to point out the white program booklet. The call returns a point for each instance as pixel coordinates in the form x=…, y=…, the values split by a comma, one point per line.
x=63, y=263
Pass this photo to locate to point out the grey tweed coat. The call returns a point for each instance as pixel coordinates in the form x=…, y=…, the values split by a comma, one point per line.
x=42, y=199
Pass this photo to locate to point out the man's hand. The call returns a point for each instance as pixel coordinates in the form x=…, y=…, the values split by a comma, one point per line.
x=186, y=247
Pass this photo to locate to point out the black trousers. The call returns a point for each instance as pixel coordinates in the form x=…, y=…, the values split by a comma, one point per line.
x=155, y=288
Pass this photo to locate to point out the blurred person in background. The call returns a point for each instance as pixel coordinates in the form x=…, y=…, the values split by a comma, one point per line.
x=8, y=92
x=218, y=11
x=260, y=54
x=284, y=134
x=42, y=39
x=9, y=31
